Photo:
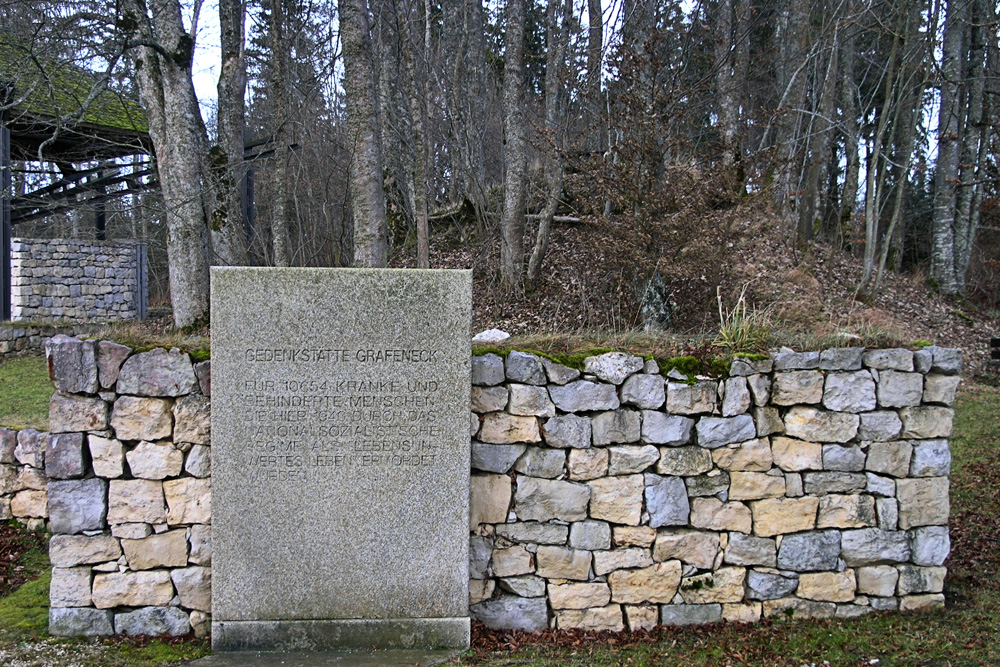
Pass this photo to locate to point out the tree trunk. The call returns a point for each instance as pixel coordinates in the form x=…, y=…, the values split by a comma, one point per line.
x=946, y=169
x=229, y=237
x=851, y=134
x=414, y=58
x=818, y=138
x=724, y=84
x=281, y=103
x=512, y=222
x=162, y=52
x=367, y=193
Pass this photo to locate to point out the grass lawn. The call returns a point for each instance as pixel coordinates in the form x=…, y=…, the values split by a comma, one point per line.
x=966, y=633
x=25, y=391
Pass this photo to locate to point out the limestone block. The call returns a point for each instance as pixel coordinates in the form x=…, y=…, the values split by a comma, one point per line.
x=613, y=367
x=157, y=373
x=747, y=550
x=198, y=461
x=644, y=391
x=714, y=432
x=753, y=455
x=8, y=444
x=489, y=499
x=930, y=545
x=586, y=464
x=915, y=579
x=200, y=539
x=194, y=587
x=899, y=390
x=744, y=366
x=931, y=458
x=542, y=462
x=880, y=426
x=559, y=374
x=628, y=460
x=107, y=456
x=72, y=364
x=641, y=617
x=77, y=621
x=887, y=510
x=846, y=511
x=822, y=483
x=722, y=585
x=132, y=589
x=760, y=387
x=770, y=585
x=690, y=614
x=615, y=426
x=495, y=458
x=843, y=459
x=193, y=420
x=512, y=612
x=489, y=399
x=584, y=396
x=525, y=368
x=527, y=586
x=153, y=622
x=621, y=559
x=70, y=587
x=889, y=458
x=794, y=487
x=529, y=400
x=590, y=535
x=684, y=461
x=666, y=501
x=598, y=618
x=657, y=583
x=30, y=504
x=794, y=455
x=768, y=421
x=940, y=388
x=567, y=431
x=809, y=551
x=136, y=501
x=487, y=369
x=189, y=500
x=922, y=602
x=886, y=360
x=480, y=553
x=755, y=485
x=692, y=399
x=713, y=514
x=30, y=450
x=696, y=548
x=877, y=580
x=633, y=536
x=617, y=499
x=711, y=483
x=922, y=502
x=746, y=612
x=201, y=623
x=110, y=357
x=136, y=418
x=480, y=589
x=659, y=428
x=155, y=460
x=64, y=456
x=501, y=428
x=777, y=516
x=77, y=505
x=73, y=550
x=562, y=563
x=169, y=549
x=579, y=596
x=797, y=387
x=512, y=562
x=923, y=360
x=945, y=360
x=806, y=423
x=929, y=421
x=544, y=500
x=827, y=586
x=737, y=397
x=873, y=546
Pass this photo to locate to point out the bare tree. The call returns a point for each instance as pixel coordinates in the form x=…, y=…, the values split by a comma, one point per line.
x=515, y=157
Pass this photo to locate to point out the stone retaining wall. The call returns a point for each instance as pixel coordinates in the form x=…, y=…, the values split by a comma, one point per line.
x=24, y=338
x=77, y=281
x=23, y=482
x=811, y=483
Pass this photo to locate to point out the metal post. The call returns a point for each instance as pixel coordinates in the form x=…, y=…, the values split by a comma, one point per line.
x=6, y=192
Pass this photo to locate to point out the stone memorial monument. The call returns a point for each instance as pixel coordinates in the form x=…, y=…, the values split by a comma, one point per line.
x=340, y=458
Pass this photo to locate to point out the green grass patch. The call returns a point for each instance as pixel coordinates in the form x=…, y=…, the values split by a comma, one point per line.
x=25, y=393
x=24, y=613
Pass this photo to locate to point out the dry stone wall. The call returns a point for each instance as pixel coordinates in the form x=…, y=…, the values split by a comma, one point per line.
x=77, y=281
x=24, y=338
x=812, y=483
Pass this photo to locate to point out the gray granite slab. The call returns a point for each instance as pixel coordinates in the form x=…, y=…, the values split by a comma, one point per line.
x=400, y=658
x=340, y=458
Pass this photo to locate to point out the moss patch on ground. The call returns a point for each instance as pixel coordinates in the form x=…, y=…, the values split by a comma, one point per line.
x=25, y=394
